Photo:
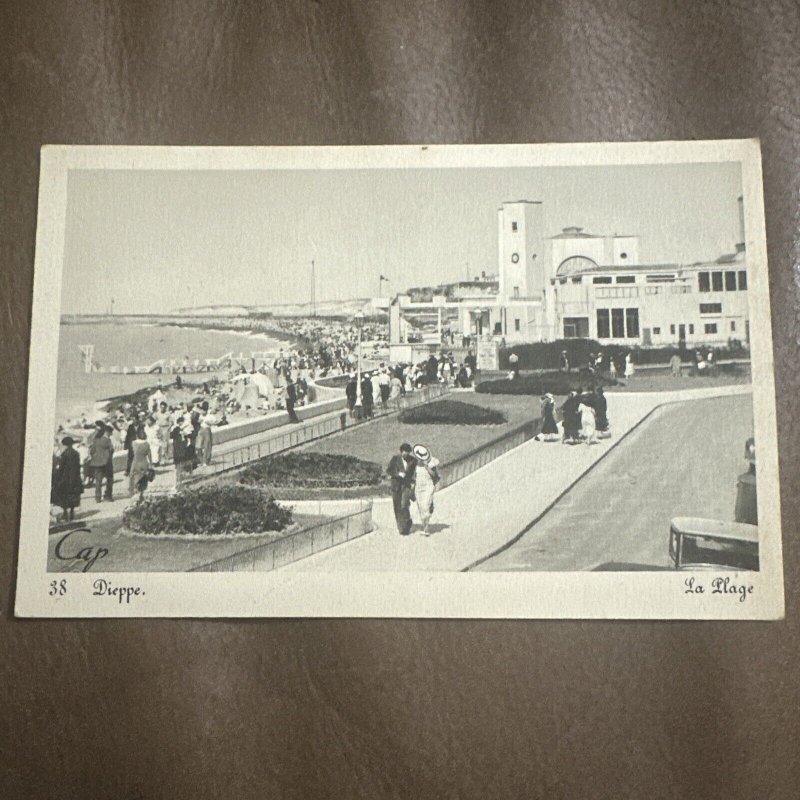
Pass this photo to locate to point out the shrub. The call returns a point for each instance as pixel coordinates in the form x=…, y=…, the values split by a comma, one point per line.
x=546, y=355
x=209, y=510
x=554, y=382
x=311, y=470
x=452, y=412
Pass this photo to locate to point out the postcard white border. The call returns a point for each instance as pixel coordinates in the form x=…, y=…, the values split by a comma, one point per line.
x=585, y=595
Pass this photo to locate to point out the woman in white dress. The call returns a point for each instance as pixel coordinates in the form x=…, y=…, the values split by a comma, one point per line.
x=629, y=368
x=153, y=439
x=425, y=480
x=588, y=422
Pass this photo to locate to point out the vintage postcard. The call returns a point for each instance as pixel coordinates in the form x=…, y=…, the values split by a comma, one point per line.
x=417, y=381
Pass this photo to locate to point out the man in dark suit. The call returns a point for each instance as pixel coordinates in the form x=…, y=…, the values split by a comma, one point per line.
x=291, y=399
x=130, y=437
x=351, y=391
x=367, y=399
x=101, y=453
x=401, y=471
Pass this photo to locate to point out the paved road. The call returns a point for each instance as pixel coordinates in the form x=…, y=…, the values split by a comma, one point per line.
x=684, y=461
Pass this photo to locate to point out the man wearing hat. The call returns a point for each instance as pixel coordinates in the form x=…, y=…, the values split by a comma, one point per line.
x=101, y=452
x=401, y=471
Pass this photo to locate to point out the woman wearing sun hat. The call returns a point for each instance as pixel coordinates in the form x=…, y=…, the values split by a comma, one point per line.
x=549, y=432
x=67, y=481
x=426, y=478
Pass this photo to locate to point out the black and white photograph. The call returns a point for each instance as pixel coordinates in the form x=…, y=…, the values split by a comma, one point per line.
x=402, y=381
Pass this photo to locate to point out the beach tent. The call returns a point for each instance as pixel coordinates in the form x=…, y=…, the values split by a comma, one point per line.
x=264, y=384
x=250, y=396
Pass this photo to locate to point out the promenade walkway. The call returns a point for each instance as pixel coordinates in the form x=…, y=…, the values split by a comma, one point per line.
x=486, y=510
x=307, y=430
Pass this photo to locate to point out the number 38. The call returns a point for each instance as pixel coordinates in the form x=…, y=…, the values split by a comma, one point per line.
x=58, y=588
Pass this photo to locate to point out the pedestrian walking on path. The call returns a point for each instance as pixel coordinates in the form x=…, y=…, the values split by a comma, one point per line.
x=426, y=476
x=601, y=414
x=205, y=439
x=101, y=453
x=182, y=451
x=572, y=418
x=629, y=368
x=401, y=471
x=549, y=432
x=141, y=464
x=588, y=419
x=67, y=482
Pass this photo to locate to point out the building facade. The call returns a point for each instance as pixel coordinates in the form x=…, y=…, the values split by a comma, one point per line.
x=577, y=284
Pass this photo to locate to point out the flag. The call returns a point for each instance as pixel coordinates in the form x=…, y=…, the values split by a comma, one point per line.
x=384, y=279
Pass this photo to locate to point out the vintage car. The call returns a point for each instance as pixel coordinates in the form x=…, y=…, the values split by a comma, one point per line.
x=699, y=543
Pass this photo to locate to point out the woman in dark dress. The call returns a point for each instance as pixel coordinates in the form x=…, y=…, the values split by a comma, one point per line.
x=601, y=411
x=68, y=484
x=571, y=417
x=549, y=432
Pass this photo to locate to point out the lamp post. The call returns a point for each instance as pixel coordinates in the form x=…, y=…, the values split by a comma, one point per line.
x=358, y=410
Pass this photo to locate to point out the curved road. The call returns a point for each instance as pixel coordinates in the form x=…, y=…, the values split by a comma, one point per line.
x=684, y=461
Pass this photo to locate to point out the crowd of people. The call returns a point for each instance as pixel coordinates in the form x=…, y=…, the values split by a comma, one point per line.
x=599, y=362
x=387, y=383
x=155, y=435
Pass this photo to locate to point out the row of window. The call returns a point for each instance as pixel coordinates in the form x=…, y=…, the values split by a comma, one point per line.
x=718, y=281
x=619, y=279
x=623, y=323
x=709, y=327
x=617, y=323
x=677, y=288
x=617, y=292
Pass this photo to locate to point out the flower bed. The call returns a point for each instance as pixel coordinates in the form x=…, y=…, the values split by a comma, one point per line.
x=311, y=470
x=208, y=511
x=557, y=383
x=452, y=412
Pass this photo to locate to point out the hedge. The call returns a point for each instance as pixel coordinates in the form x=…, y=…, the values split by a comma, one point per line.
x=452, y=412
x=557, y=383
x=546, y=355
x=210, y=510
x=311, y=470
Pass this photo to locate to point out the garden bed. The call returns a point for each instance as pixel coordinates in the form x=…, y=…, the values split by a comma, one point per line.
x=452, y=412
x=312, y=471
x=213, y=510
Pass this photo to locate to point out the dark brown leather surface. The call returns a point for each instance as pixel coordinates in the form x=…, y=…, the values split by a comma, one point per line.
x=196, y=709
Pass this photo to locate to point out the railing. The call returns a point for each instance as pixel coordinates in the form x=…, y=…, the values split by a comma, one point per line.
x=310, y=431
x=479, y=457
x=300, y=544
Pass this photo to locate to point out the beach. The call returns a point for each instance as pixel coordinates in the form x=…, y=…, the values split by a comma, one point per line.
x=131, y=345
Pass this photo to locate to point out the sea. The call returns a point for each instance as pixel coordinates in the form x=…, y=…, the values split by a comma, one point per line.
x=131, y=345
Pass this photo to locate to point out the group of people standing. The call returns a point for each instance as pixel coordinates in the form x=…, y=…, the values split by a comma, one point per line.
x=602, y=362
x=414, y=475
x=584, y=418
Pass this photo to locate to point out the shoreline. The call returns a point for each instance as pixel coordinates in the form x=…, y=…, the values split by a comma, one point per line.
x=239, y=325
x=257, y=338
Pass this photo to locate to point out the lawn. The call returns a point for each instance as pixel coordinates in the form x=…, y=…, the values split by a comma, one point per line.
x=379, y=441
x=661, y=380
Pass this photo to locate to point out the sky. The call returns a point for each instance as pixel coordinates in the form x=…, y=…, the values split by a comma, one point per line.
x=160, y=240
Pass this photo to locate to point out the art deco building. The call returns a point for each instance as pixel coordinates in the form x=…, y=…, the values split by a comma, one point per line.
x=578, y=284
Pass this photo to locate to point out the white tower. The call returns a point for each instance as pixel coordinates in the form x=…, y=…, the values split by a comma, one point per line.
x=521, y=264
